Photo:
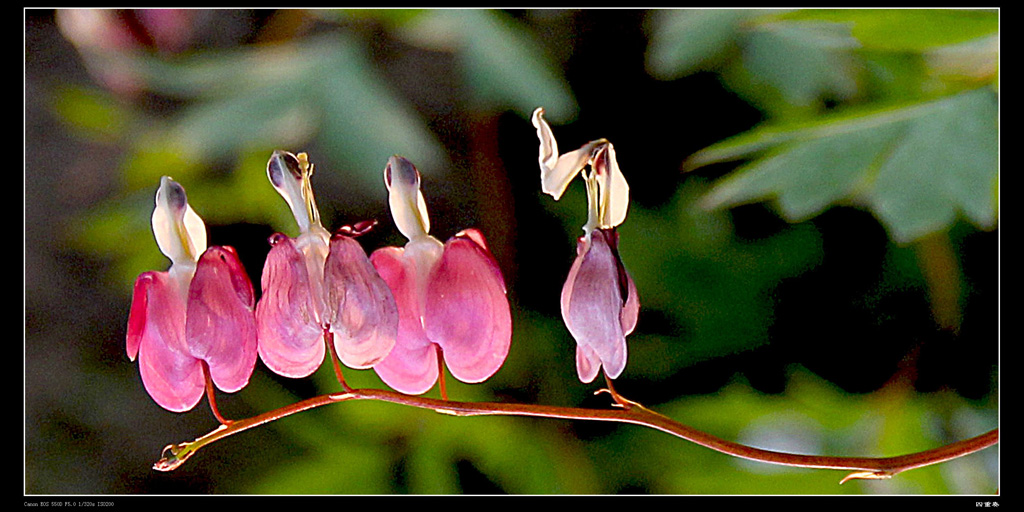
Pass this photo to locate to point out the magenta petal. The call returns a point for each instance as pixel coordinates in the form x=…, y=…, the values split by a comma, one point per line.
x=290, y=338
x=220, y=325
x=363, y=313
x=466, y=311
x=411, y=367
x=156, y=332
x=137, y=316
x=592, y=303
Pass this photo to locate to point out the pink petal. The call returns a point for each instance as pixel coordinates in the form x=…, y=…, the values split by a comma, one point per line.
x=592, y=304
x=156, y=335
x=363, y=314
x=466, y=310
x=411, y=367
x=587, y=363
x=220, y=324
x=290, y=338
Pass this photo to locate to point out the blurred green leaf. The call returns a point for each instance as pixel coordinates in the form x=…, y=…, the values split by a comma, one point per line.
x=803, y=61
x=93, y=113
x=288, y=94
x=501, y=62
x=813, y=416
x=778, y=63
x=787, y=61
x=505, y=66
x=684, y=41
x=914, y=166
x=908, y=29
x=364, y=122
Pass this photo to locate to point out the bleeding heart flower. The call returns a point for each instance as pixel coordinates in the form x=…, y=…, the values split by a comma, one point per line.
x=198, y=313
x=451, y=297
x=599, y=299
x=315, y=284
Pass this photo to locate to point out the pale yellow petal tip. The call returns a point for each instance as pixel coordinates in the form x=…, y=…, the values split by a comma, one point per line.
x=866, y=475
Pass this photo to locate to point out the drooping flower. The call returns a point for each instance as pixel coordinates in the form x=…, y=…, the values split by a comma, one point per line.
x=198, y=312
x=451, y=296
x=317, y=283
x=599, y=299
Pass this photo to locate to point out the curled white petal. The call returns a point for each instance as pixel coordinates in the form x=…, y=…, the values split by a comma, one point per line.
x=556, y=171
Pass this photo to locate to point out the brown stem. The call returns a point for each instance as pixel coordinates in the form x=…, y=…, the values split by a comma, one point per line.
x=329, y=340
x=440, y=374
x=210, y=395
x=634, y=413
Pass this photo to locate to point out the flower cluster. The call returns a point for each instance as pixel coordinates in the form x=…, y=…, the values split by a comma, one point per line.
x=400, y=312
x=407, y=312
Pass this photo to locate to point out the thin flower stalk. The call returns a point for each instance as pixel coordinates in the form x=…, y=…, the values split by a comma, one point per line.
x=626, y=411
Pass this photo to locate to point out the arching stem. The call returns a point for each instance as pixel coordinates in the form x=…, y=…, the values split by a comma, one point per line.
x=636, y=414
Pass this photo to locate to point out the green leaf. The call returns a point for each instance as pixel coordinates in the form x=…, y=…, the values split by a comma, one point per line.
x=813, y=416
x=683, y=41
x=503, y=65
x=908, y=29
x=285, y=96
x=915, y=167
x=802, y=60
x=91, y=112
x=719, y=290
x=364, y=122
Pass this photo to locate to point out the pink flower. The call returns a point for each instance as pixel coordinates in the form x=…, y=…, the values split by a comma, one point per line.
x=599, y=305
x=198, y=313
x=315, y=284
x=599, y=299
x=451, y=297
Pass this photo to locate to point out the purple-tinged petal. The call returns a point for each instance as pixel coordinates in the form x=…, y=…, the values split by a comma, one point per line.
x=592, y=303
x=631, y=305
x=588, y=364
x=362, y=312
x=156, y=334
x=290, y=337
x=220, y=323
x=411, y=367
x=631, y=309
x=466, y=311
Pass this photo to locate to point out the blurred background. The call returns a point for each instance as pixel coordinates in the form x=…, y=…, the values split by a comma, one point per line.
x=813, y=234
